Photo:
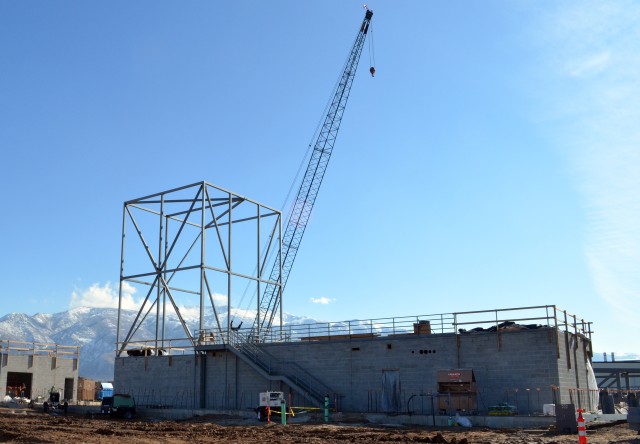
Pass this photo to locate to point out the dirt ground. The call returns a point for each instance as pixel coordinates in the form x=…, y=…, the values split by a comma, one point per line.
x=28, y=426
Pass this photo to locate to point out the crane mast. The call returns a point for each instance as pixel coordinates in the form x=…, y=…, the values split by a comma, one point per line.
x=309, y=187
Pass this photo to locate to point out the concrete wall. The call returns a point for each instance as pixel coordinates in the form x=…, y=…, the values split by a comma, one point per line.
x=158, y=381
x=46, y=372
x=505, y=366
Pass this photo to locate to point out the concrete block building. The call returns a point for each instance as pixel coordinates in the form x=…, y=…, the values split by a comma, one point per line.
x=31, y=369
x=387, y=366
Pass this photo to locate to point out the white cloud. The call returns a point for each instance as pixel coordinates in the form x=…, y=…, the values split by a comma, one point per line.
x=105, y=296
x=219, y=298
x=323, y=300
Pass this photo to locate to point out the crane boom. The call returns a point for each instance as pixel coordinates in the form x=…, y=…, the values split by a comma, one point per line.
x=308, y=191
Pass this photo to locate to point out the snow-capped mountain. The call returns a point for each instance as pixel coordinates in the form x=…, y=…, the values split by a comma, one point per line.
x=94, y=330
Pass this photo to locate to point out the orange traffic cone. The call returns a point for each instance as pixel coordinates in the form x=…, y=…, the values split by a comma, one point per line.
x=582, y=430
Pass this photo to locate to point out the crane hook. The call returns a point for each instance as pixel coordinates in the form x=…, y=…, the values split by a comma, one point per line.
x=372, y=70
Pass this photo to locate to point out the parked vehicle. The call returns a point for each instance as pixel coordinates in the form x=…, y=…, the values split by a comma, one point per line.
x=119, y=405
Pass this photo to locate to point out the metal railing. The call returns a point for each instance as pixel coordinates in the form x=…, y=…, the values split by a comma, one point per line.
x=508, y=319
x=273, y=366
x=397, y=326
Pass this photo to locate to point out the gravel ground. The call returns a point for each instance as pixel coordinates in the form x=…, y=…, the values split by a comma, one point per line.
x=28, y=426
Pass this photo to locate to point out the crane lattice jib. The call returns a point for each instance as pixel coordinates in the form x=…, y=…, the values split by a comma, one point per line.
x=310, y=185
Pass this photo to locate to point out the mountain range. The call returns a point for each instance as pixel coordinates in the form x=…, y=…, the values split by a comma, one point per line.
x=94, y=330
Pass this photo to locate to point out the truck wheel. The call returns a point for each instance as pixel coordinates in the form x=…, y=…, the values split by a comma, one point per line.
x=128, y=414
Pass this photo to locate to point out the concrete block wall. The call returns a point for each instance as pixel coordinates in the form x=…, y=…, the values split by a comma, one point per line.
x=505, y=366
x=159, y=381
x=353, y=369
x=509, y=363
x=572, y=369
x=232, y=384
x=46, y=372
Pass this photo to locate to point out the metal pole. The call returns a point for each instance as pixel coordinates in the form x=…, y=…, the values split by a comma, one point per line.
x=433, y=413
x=283, y=412
x=124, y=219
x=326, y=408
x=164, y=291
x=259, y=276
x=229, y=268
x=555, y=319
x=202, y=255
x=161, y=264
x=280, y=273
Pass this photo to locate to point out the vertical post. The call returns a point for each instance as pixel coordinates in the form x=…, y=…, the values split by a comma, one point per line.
x=164, y=291
x=566, y=339
x=455, y=323
x=283, y=412
x=498, y=331
x=433, y=412
x=161, y=265
x=229, y=268
x=259, y=270
x=575, y=359
x=124, y=220
x=202, y=253
x=326, y=408
x=555, y=319
x=280, y=272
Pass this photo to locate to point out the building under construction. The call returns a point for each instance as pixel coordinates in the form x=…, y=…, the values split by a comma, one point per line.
x=384, y=365
x=203, y=246
x=34, y=370
x=471, y=361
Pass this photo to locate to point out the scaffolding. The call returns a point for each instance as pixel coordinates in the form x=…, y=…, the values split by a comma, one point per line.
x=168, y=260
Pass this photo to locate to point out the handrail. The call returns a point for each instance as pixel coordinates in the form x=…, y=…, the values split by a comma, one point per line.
x=447, y=323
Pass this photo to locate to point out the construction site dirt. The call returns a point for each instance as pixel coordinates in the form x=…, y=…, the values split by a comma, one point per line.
x=28, y=426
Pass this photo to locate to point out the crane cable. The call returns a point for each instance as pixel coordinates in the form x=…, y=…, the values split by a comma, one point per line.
x=372, y=52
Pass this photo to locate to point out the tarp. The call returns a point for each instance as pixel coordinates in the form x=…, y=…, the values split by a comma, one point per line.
x=106, y=385
x=592, y=385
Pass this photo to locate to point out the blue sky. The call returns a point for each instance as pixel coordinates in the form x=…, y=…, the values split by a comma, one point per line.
x=491, y=163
